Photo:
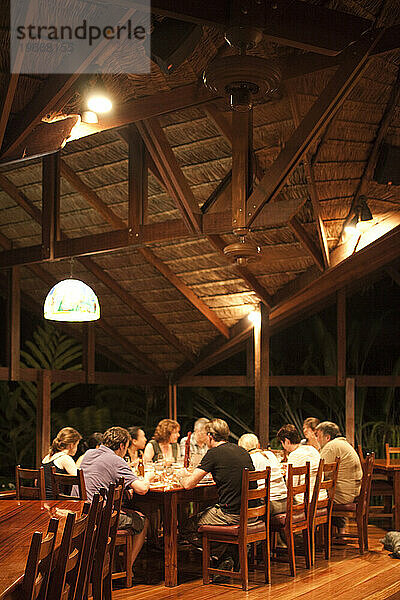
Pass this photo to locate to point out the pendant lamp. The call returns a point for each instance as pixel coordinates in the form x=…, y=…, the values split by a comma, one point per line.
x=71, y=300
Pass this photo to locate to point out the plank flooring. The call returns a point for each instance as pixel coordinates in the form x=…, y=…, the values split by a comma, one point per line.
x=347, y=576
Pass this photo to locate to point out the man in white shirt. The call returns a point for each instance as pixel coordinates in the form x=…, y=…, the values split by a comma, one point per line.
x=299, y=455
x=198, y=441
x=261, y=460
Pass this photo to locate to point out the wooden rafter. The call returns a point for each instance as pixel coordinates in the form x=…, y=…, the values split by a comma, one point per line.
x=173, y=178
x=373, y=257
x=7, y=104
x=150, y=257
x=306, y=241
x=374, y=154
x=91, y=266
x=50, y=218
x=54, y=94
x=312, y=187
x=320, y=113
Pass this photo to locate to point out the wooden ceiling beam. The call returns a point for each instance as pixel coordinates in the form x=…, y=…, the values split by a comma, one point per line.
x=312, y=188
x=55, y=92
x=6, y=103
x=173, y=178
x=383, y=127
x=137, y=178
x=306, y=241
x=363, y=263
x=149, y=255
x=114, y=286
x=289, y=22
x=328, y=103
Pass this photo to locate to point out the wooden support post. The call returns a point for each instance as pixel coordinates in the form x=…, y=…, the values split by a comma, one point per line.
x=43, y=415
x=350, y=410
x=241, y=123
x=172, y=406
x=261, y=376
x=88, y=354
x=50, y=203
x=137, y=179
x=341, y=336
x=13, y=324
x=250, y=361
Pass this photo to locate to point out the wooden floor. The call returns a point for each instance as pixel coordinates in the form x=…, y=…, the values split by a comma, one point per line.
x=347, y=576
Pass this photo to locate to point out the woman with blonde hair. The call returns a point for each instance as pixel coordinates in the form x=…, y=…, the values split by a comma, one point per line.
x=62, y=449
x=309, y=429
x=164, y=443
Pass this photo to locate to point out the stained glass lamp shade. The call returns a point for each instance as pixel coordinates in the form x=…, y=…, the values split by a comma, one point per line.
x=71, y=300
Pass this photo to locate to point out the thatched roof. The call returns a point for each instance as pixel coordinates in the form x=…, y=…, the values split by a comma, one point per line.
x=340, y=155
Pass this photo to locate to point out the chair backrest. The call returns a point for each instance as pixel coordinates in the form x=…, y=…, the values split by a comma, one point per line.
x=63, y=580
x=104, y=551
x=94, y=511
x=293, y=490
x=61, y=481
x=39, y=563
x=36, y=489
x=254, y=501
x=389, y=451
x=326, y=479
x=365, y=492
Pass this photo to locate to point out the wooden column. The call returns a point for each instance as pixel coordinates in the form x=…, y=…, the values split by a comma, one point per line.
x=88, y=351
x=172, y=405
x=350, y=409
x=13, y=324
x=250, y=361
x=137, y=179
x=341, y=337
x=43, y=415
x=50, y=203
x=261, y=375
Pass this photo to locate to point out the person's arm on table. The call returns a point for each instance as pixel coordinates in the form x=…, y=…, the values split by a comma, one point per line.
x=148, y=453
x=190, y=480
x=140, y=486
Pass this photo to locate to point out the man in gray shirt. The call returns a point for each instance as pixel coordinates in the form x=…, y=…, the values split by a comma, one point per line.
x=104, y=465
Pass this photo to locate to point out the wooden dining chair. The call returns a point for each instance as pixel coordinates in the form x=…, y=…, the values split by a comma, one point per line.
x=359, y=509
x=389, y=450
x=296, y=517
x=36, y=488
x=94, y=511
x=61, y=482
x=65, y=576
x=244, y=533
x=382, y=486
x=320, y=514
x=39, y=564
x=104, y=551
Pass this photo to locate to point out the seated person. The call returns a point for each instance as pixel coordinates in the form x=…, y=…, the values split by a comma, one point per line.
x=62, y=449
x=309, y=427
x=198, y=441
x=164, y=444
x=299, y=456
x=225, y=461
x=105, y=465
x=93, y=441
x=137, y=445
x=262, y=459
x=348, y=483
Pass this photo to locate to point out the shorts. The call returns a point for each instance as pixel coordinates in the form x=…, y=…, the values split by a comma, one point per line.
x=131, y=520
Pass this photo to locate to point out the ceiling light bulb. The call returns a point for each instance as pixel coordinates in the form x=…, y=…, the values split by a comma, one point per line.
x=88, y=116
x=254, y=316
x=99, y=103
x=351, y=227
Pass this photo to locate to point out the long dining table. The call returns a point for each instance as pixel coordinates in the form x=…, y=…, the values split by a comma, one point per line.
x=19, y=519
x=167, y=499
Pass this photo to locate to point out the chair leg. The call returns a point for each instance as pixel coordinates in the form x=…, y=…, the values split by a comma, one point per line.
x=312, y=545
x=252, y=555
x=360, y=533
x=266, y=559
x=107, y=586
x=290, y=546
x=206, y=560
x=244, y=570
x=129, y=560
x=307, y=547
x=328, y=539
x=365, y=534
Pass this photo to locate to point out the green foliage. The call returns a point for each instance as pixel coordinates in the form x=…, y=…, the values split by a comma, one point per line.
x=17, y=425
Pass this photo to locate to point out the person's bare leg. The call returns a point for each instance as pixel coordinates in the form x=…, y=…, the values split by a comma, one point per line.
x=138, y=541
